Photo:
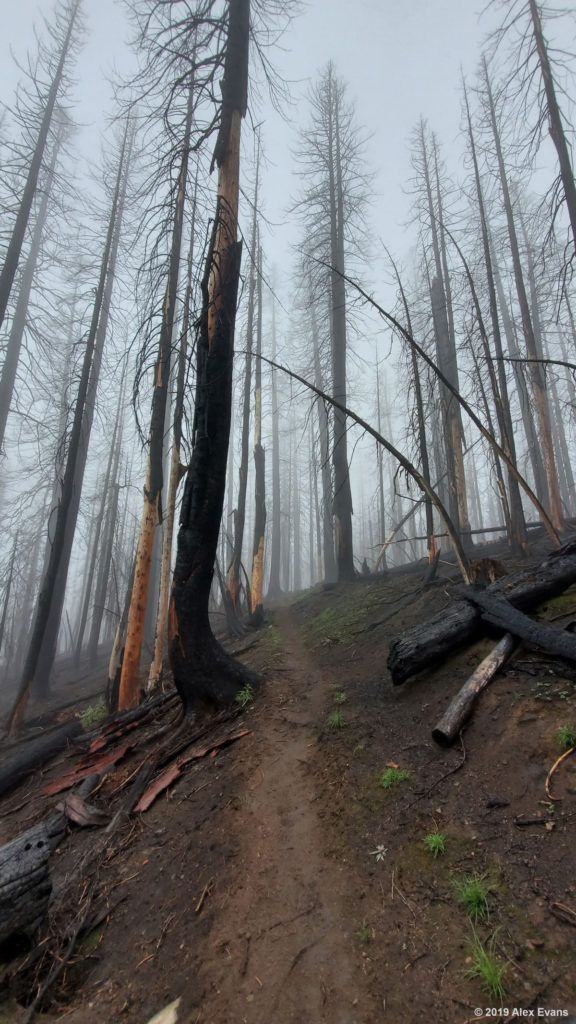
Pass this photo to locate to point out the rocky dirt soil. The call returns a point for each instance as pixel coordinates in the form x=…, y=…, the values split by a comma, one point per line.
x=280, y=881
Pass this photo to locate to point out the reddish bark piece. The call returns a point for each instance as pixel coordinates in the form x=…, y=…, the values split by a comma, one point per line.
x=97, y=744
x=158, y=787
x=97, y=765
x=175, y=771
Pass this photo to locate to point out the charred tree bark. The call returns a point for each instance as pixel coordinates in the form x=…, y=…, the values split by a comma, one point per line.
x=428, y=643
x=203, y=672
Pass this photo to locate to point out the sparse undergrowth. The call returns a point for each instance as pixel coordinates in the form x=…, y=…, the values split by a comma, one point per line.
x=566, y=737
x=336, y=721
x=435, y=842
x=245, y=695
x=487, y=967
x=472, y=892
x=94, y=714
x=393, y=777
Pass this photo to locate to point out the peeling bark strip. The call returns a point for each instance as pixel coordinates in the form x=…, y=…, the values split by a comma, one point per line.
x=429, y=642
x=203, y=671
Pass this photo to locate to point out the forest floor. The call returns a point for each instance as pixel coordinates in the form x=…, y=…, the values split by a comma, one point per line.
x=279, y=881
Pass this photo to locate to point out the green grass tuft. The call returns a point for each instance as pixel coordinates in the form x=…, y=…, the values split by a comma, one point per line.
x=487, y=967
x=339, y=697
x=566, y=737
x=366, y=933
x=472, y=891
x=245, y=695
x=436, y=843
x=336, y=721
x=394, y=776
x=94, y=714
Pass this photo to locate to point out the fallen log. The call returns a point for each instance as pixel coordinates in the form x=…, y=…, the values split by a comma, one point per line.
x=429, y=642
x=37, y=753
x=500, y=613
x=459, y=710
x=25, y=884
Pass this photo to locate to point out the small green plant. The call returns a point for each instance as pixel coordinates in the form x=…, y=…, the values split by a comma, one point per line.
x=472, y=892
x=566, y=737
x=245, y=695
x=339, y=697
x=336, y=721
x=380, y=852
x=394, y=776
x=94, y=714
x=487, y=967
x=436, y=843
x=366, y=933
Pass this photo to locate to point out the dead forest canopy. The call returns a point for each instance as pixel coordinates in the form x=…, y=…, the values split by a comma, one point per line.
x=457, y=354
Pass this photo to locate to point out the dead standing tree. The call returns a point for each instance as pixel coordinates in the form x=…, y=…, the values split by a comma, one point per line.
x=203, y=671
x=66, y=27
x=130, y=682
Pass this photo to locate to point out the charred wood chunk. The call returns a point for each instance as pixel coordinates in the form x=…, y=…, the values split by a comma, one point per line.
x=25, y=884
x=429, y=642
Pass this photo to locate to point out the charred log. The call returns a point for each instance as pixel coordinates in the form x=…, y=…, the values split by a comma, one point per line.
x=429, y=642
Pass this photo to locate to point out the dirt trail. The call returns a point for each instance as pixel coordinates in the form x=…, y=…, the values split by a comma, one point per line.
x=286, y=921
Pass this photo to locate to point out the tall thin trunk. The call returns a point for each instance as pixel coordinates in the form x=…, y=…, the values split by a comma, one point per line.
x=342, y=506
x=498, y=374
x=130, y=682
x=274, y=587
x=70, y=483
x=557, y=133
x=330, y=570
x=240, y=513
x=421, y=417
x=8, y=590
x=536, y=373
x=18, y=326
x=257, y=588
x=108, y=270
x=156, y=668
x=108, y=513
x=14, y=248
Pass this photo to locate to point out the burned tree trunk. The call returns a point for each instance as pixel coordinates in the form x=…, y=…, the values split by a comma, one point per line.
x=203, y=671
